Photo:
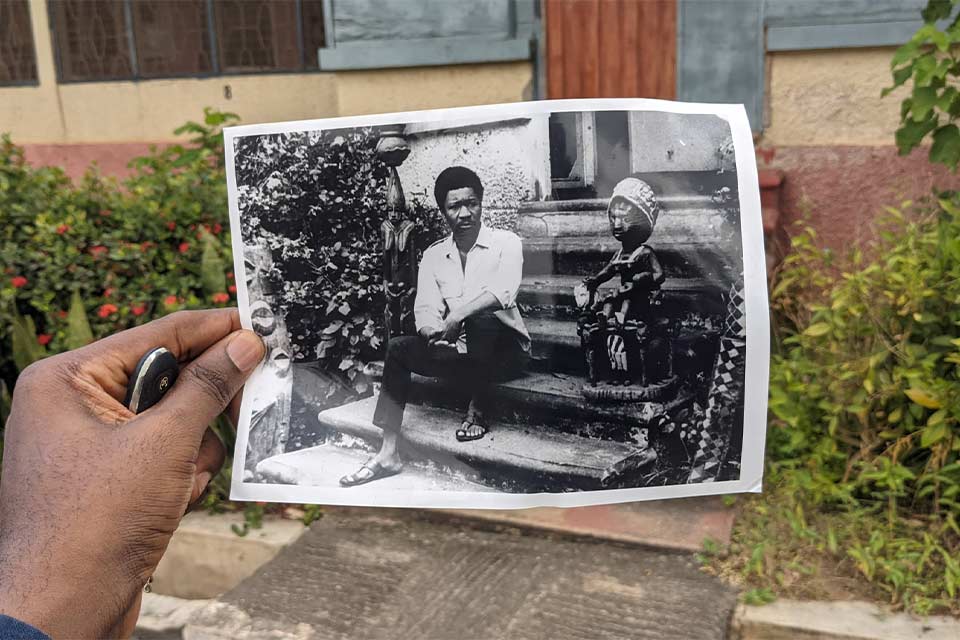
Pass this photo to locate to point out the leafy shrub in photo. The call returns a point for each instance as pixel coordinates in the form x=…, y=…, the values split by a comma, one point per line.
x=317, y=200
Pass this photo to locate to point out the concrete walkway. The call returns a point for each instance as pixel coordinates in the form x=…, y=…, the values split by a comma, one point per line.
x=415, y=574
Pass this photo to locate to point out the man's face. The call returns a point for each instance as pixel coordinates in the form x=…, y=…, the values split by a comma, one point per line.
x=462, y=209
x=626, y=218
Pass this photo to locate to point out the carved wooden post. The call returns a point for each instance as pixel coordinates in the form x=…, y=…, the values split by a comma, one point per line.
x=399, y=253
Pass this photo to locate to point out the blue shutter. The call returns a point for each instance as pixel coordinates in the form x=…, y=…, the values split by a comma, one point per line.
x=376, y=34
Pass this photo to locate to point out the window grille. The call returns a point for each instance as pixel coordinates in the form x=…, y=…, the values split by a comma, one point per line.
x=99, y=40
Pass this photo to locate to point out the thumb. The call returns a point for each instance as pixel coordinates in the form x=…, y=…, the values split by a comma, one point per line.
x=206, y=386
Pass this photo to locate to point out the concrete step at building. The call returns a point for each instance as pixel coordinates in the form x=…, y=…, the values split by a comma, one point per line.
x=555, y=399
x=534, y=457
x=586, y=255
x=555, y=347
x=552, y=295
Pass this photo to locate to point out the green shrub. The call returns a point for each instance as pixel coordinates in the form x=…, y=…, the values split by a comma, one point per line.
x=82, y=261
x=865, y=399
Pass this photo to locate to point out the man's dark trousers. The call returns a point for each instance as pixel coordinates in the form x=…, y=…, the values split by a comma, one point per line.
x=493, y=354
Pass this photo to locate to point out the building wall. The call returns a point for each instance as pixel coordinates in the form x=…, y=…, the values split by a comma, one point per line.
x=73, y=124
x=832, y=135
x=676, y=142
x=510, y=157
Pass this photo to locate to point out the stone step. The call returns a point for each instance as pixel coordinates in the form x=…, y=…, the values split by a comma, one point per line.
x=549, y=294
x=511, y=457
x=586, y=255
x=683, y=219
x=556, y=347
x=324, y=465
x=555, y=399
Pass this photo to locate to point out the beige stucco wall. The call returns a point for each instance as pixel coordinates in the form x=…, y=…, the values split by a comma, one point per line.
x=147, y=111
x=831, y=97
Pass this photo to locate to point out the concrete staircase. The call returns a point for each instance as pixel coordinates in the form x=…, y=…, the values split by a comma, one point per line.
x=543, y=433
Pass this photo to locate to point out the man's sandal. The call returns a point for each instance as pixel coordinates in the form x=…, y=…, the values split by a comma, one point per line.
x=368, y=473
x=471, y=429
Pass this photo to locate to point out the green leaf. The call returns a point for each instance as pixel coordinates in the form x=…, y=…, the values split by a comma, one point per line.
x=78, y=327
x=24, y=338
x=912, y=134
x=946, y=146
x=925, y=70
x=904, y=53
x=936, y=10
x=923, y=398
x=212, y=269
x=924, y=99
x=934, y=434
x=900, y=76
x=817, y=329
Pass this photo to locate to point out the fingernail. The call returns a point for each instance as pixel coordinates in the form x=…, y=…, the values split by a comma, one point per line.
x=245, y=350
x=203, y=479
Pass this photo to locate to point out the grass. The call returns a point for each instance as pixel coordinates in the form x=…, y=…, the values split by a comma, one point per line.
x=782, y=546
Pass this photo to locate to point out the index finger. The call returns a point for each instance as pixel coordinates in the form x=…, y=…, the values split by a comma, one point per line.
x=186, y=334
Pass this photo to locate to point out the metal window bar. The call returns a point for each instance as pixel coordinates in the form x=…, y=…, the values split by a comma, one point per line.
x=213, y=37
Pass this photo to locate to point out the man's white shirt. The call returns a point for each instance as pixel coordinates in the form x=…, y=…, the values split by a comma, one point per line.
x=494, y=265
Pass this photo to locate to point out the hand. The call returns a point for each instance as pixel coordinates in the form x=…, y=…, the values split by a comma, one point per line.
x=91, y=493
x=450, y=332
x=429, y=334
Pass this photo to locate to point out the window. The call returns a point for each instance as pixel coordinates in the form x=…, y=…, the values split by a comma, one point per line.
x=18, y=63
x=138, y=39
x=589, y=151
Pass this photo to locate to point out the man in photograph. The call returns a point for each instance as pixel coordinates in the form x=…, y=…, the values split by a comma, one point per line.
x=469, y=329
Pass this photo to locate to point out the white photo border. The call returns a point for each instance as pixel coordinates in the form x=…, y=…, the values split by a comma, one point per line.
x=755, y=289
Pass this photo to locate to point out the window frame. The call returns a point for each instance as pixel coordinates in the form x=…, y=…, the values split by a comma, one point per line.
x=586, y=155
x=36, y=63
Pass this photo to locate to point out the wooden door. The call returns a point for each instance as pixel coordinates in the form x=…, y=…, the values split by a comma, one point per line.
x=611, y=48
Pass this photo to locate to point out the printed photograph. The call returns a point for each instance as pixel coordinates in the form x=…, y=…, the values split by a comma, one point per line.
x=542, y=302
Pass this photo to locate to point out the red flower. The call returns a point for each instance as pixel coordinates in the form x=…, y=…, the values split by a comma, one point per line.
x=98, y=250
x=171, y=225
x=62, y=229
x=108, y=292
x=61, y=314
x=232, y=288
x=107, y=309
x=44, y=338
x=220, y=298
x=138, y=309
x=170, y=301
x=18, y=281
x=145, y=245
x=230, y=275
x=217, y=228
x=184, y=247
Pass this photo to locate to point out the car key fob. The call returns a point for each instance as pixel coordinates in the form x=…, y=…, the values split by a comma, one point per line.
x=151, y=379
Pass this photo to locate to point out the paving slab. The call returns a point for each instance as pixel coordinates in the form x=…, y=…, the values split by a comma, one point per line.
x=206, y=558
x=378, y=574
x=797, y=620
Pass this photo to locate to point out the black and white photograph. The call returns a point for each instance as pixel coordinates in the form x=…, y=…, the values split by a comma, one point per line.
x=555, y=303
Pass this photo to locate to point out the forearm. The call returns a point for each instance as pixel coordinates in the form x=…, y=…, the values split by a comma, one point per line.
x=602, y=276
x=483, y=303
